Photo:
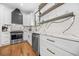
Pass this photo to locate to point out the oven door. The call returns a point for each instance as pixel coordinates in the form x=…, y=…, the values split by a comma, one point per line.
x=16, y=37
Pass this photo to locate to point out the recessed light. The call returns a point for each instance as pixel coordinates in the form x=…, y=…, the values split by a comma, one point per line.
x=21, y=4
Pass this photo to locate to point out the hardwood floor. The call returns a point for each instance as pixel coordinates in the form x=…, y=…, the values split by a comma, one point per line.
x=20, y=49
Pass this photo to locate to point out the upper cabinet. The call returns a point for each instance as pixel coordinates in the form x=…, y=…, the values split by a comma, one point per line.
x=17, y=17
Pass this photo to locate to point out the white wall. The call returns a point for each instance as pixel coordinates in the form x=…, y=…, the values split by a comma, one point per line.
x=58, y=28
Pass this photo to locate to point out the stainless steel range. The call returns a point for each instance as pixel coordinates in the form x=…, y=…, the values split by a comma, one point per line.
x=16, y=37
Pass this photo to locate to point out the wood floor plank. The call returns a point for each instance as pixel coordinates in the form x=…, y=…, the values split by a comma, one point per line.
x=21, y=49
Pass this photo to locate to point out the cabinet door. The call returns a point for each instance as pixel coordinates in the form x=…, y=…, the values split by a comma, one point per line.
x=48, y=49
x=51, y=49
x=5, y=38
x=67, y=45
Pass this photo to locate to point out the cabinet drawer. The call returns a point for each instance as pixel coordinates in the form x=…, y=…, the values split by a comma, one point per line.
x=44, y=52
x=43, y=49
x=70, y=46
x=52, y=50
x=57, y=52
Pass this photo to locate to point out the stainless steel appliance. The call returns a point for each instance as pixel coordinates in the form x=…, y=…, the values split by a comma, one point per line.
x=16, y=37
x=36, y=42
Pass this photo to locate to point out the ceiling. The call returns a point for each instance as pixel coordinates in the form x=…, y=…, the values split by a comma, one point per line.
x=25, y=7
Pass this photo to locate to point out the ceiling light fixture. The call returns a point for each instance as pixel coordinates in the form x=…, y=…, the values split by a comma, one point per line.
x=21, y=4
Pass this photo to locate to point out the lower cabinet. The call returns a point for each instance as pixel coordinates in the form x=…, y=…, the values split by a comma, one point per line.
x=44, y=52
x=4, y=39
x=48, y=49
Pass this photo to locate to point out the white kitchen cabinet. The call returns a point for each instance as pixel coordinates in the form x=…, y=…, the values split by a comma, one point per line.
x=67, y=45
x=59, y=47
x=5, y=38
x=57, y=51
x=27, y=36
x=44, y=52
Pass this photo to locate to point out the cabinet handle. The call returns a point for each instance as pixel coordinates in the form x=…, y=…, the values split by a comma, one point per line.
x=51, y=40
x=50, y=51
